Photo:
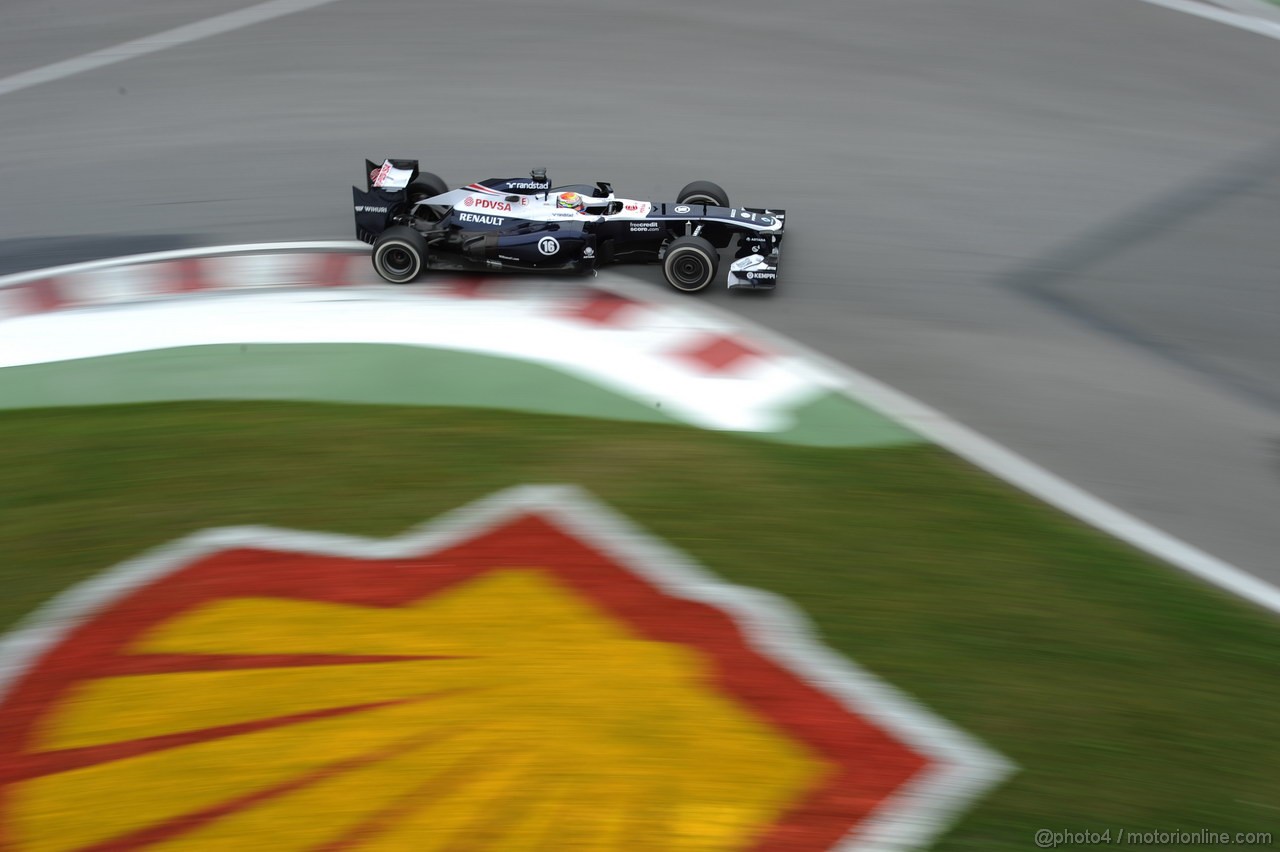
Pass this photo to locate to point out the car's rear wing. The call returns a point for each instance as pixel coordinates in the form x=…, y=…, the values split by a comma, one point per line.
x=385, y=189
x=391, y=175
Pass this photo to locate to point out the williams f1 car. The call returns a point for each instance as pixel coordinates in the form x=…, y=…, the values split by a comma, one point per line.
x=415, y=222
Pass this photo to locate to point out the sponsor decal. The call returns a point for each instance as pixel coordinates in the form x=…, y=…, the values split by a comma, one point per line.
x=548, y=245
x=480, y=219
x=762, y=276
x=390, y=177
x=588, y=252
x=524, y=200
x=526, y=184
x=644, y=226
x=364, y=208
x=487, y=204
x=631, y=206
x=766, y=220
x=480, y=681
x=682, y=208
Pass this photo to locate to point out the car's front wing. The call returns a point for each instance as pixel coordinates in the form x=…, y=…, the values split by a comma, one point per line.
x=756, y=265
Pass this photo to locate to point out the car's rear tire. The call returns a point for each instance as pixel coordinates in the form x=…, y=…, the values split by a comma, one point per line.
x=427, y=185
x=690, y=264
x=399, y=254
x=703, y=192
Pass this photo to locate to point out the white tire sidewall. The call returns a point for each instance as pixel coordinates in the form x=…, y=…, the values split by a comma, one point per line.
x=392, y=244
x=707, y=261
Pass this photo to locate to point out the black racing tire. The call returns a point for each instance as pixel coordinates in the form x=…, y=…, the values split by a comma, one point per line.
x=399, y=254
x=690, y=264
x=427, y=185
x=703, y=192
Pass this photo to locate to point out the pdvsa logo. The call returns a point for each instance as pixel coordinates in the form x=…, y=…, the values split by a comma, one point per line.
x=487, y=204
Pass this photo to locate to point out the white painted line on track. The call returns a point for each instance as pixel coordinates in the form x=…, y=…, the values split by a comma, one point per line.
x=161, y=41
x=1261, y=26
x=997, y=460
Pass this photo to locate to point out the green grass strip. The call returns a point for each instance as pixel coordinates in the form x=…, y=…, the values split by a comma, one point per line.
x=355, y=373
x=384, y=374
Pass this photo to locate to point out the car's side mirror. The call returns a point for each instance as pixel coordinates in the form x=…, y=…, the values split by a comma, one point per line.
x=605, y=187
x=539, y=174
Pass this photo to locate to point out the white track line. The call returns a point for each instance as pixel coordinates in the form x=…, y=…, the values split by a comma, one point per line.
x=1261, y=26
x=996, y=459
x=161, y=41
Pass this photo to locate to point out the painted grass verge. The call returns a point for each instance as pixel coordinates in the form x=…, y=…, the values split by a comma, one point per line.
x=374, y=374
x=1129, y=695
x=385, y=374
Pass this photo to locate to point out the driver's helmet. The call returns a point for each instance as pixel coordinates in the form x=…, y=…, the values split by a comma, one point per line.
x=571, y=200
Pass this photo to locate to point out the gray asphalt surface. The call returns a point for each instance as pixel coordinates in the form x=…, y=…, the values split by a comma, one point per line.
x=1052, y=220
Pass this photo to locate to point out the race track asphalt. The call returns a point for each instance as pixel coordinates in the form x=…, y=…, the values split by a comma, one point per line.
x=1052, y=220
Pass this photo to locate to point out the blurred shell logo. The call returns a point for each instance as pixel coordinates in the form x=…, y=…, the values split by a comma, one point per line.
x=530, y=672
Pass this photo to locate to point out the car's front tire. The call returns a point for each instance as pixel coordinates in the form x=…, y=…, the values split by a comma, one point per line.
x=399, y=254
x=703, y=192
x=690, y=264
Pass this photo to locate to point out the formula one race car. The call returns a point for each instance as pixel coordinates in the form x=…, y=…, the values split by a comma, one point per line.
x=415, y=222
